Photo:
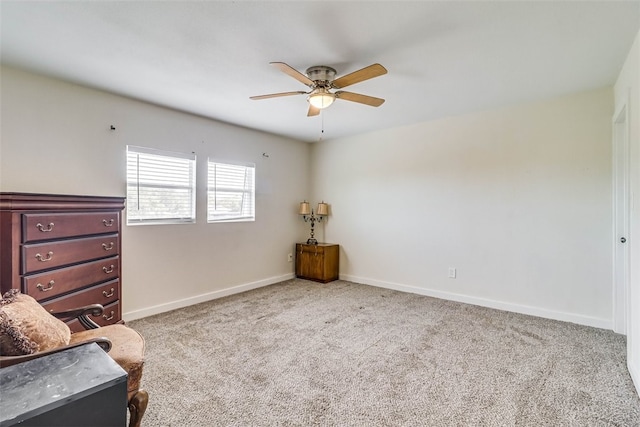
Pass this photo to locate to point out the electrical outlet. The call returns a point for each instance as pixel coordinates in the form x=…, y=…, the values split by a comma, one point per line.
x=452, y=272
x=290, y=257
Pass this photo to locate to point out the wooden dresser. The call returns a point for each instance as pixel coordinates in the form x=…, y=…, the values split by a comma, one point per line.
x=317, y=262
x=64, y=251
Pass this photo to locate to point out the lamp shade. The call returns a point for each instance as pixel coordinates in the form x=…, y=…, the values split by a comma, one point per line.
x=321, y=98
x=305, y=208
x=323, y=209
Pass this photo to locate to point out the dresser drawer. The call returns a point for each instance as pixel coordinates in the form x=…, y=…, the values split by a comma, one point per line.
x=55, y=226
x=63, y=280
x=105, y=293
x=43, y=256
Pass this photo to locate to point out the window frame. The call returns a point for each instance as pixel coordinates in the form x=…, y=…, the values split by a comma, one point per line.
x=251, y=192
x=190, y=186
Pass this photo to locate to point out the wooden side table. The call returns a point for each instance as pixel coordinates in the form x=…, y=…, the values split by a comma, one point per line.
x=317, y=262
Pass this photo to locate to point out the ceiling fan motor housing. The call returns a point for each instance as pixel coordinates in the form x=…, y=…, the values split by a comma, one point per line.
x=321, y=74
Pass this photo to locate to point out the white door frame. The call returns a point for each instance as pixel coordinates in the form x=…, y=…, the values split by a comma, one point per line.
x=621, y=215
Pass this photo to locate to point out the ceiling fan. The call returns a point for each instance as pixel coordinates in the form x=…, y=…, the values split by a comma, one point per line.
x=321, y=79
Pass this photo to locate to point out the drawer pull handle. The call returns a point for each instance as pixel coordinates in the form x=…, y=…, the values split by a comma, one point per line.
x=107, y=247
x=108, y=223
x=46, y=258
x=104, y=316
x=48, y=288
x=108, y=270
x=109, y=295
x=43, y=229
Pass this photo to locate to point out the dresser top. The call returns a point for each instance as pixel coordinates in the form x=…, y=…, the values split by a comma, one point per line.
x=32, y=201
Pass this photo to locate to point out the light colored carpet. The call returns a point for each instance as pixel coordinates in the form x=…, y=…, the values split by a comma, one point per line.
x=300, y=353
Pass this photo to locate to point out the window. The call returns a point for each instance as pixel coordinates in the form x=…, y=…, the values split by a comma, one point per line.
x=160, y=186
x=231, y=192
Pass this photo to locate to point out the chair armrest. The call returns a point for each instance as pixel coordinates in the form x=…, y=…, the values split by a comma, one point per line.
x=5, y=361
x=82, y=314
x=93, y=309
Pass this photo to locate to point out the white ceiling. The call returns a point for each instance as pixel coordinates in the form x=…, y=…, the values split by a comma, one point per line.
x=208, y=57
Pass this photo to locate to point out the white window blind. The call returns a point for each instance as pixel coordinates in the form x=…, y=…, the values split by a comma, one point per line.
x=160, y=186
x=231, y=192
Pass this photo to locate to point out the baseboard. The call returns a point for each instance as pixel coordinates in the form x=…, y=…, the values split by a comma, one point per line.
x=484, y=302
x=635, y=376
x=185, y=302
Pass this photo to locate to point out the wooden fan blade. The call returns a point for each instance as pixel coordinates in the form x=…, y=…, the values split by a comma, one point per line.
x=362, y=99
x=366, y=73
x=313, y=111
x=276, y=95
x=287, y=69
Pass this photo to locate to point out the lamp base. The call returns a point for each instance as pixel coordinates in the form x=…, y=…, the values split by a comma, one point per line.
x=312, y=242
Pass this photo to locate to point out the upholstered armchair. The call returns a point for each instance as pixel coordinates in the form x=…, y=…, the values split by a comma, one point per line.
x=28, y=331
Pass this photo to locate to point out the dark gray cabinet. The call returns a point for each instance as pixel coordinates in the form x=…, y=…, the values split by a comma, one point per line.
x=79, y=387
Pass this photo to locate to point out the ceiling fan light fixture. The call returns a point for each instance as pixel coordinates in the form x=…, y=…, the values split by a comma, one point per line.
x=321, y=98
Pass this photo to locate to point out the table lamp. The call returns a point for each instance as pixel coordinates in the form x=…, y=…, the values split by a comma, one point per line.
x=308, y=216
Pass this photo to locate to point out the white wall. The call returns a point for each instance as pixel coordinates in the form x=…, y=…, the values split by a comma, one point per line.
x=518, y=200
x=627, y=91
x=55, y=138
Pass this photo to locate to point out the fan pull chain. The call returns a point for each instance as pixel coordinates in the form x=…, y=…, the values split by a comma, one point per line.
x=321, y=126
